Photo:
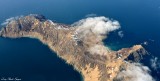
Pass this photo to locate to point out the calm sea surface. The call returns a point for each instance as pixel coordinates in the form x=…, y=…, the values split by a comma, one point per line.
x=30, y=60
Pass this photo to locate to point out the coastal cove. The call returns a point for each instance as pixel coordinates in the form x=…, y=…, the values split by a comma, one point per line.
x=29, y=59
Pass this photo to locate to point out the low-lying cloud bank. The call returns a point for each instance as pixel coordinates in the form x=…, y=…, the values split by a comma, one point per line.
x=135, y=72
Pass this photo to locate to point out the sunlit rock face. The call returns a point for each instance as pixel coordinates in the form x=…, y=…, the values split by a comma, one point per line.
x=79, y=44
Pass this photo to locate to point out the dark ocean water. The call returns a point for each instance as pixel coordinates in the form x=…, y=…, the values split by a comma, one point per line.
x=32, y=61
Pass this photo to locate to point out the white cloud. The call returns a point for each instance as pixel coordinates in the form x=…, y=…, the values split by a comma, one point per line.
x=120, y=33
x=151, y=40
x=155, y=64
x=99, y=49
x=145, y=43
x=94, y=29
x=91, y=15
x=7, y=21
x=98, y=25
x=135, y=72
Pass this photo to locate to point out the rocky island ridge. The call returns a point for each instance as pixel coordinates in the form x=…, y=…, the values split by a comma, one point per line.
x=82, y=49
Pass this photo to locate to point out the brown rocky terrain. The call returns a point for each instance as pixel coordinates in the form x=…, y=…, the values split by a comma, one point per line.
x=101, y=65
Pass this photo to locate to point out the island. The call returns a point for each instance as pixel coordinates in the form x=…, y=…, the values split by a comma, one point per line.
x=87, y=54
